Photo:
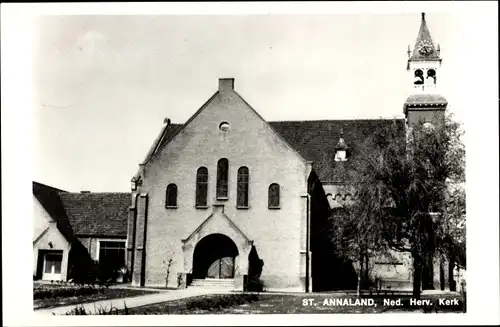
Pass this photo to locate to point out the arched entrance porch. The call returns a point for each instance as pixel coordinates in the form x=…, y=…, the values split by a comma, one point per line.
x=215, y=256
x=214, y=239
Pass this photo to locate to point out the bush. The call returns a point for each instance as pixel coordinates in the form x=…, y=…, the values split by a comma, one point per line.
x=254, y=285
x=92, y=272
x=218, y=302
x=80, y=310
x=44, y=293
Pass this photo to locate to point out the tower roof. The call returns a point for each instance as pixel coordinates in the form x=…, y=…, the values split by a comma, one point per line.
x=424, y=38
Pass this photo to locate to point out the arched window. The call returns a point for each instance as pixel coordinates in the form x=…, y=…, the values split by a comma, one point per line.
x=222, y=178
x=242, y=191
x=201, y=187
x=274, y=196
x=418, y=78
x=171, y=196
x=431, y=76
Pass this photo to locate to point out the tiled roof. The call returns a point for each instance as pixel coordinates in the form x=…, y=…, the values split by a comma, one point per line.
x=97, y=214
x=49, y=199
x=315, y=140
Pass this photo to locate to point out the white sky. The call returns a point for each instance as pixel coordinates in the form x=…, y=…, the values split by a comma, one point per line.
x=104, y=84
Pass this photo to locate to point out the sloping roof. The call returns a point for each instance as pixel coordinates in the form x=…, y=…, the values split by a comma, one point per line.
x=426, y=99
x=315, y=140
x=49, y=198
x=166, y=133
x=97, y=214
x=424, y=36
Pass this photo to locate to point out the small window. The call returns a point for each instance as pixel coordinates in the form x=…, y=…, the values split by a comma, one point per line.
x=201, y=187
x=222, y=179
x=418, y=77
x=274, y=196
x=431, y=76
x=53, y=263
x=171, y=196
x=224, y=126
x=340, y=155
x=242, y=192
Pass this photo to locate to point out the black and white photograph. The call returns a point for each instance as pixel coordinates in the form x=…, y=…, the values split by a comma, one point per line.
x=228, y=163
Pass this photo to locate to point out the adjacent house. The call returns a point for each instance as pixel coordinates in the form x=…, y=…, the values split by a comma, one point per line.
x=73, y=227
x=52, y=236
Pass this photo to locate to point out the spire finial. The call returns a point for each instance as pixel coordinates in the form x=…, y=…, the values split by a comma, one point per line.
x=423, y=16
x=341, y=132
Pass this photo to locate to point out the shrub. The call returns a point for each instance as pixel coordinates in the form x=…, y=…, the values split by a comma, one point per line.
x=254, y=284
x=218, y=302
x=100, y=310
x=43, y=293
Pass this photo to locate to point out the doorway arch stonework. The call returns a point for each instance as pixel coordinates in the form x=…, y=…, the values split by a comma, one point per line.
x=217, y=223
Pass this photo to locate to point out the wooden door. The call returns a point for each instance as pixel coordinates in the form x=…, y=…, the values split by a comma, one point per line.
x=221, y=268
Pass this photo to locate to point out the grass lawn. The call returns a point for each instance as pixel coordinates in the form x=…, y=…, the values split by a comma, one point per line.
x=269, y=303
x=107, y=294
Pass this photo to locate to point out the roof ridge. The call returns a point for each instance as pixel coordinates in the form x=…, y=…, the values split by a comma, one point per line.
x=334, y=120
x=89, y=193
x=321, y=120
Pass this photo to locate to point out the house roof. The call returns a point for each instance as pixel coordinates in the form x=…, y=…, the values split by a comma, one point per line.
x=49, y=198
x=316, y=140
x=97, y=214
x=85, y=214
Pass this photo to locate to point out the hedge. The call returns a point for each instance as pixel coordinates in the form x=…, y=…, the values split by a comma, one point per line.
x=44, y=293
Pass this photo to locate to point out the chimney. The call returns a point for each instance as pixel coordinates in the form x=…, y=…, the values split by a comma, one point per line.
x=166, y=121
x=226, y=84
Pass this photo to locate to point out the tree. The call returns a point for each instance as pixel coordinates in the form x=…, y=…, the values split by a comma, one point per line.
x=405, y=201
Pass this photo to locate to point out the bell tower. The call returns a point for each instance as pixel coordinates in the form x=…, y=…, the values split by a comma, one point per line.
x=424, y=104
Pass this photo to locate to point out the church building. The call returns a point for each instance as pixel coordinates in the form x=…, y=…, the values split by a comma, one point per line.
x=227, y=197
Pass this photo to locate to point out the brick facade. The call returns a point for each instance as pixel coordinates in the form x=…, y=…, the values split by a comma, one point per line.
x=249, y=142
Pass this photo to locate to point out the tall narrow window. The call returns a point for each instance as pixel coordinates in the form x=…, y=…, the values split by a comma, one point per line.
x=222, y=177
x=242, y=196
x=274, y=196
x=201, y=187
x=171, y=196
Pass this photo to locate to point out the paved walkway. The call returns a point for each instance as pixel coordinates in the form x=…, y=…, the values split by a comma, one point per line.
x=130, y=301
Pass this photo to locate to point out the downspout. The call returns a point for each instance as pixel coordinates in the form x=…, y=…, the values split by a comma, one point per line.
x=308, y=245
x=308, y=228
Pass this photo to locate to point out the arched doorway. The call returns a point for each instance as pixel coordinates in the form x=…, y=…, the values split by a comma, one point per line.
x=214, y=257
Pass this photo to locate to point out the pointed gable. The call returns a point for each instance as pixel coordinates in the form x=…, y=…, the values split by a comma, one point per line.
x=424, y=38
x=217, y=222
x=49, y=199
x=226, y=96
